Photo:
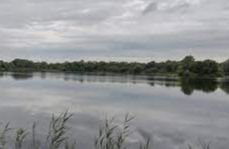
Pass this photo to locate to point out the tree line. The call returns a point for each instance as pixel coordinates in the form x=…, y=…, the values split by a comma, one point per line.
x=188, y=66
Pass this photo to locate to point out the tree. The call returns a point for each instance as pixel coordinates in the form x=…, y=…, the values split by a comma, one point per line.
x=187, y=62
x=22, y=63
x=206, y=68
x=186, y=65
x=225, y=67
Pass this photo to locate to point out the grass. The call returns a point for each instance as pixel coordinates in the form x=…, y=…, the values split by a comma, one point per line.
x=110, y=136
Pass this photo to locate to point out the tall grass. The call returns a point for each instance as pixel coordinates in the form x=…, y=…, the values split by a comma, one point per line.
x=110, y=136
x=113, y=136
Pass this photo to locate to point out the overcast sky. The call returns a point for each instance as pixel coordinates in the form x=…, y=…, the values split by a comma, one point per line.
x=133, y=30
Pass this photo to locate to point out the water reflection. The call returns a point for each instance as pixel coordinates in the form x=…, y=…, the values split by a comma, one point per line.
x=187, y=85
x=225, y=87
x=159, y=104
x=22, y=76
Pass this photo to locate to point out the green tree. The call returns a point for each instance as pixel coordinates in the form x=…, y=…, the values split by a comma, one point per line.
x=186, y=65
x=206, y=68
x=225, y=67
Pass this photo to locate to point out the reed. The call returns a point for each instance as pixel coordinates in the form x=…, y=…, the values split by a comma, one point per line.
x=110, y=136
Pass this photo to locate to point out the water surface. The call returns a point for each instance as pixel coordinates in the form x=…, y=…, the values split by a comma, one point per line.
x=174, y=113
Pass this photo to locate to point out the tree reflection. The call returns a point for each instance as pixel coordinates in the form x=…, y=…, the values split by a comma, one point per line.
x=1, y=74
x=186, y=87
x=225, y=87
x=21, y=76
x=189, y=85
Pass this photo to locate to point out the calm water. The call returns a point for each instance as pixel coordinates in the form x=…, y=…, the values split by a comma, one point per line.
x=173, y=113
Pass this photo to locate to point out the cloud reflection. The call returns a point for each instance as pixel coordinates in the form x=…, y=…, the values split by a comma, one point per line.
x=171, y=117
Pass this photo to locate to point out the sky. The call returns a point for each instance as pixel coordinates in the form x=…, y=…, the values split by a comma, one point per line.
x=114, y=30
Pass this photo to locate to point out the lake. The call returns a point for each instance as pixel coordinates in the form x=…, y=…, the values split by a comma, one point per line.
x=174, y=113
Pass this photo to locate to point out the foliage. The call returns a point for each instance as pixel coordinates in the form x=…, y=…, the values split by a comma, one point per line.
x=112, y=136
x=225, y=66
x=186, y=67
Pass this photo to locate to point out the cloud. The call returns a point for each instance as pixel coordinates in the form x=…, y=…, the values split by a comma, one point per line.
x=151, y=7
x=49, y=29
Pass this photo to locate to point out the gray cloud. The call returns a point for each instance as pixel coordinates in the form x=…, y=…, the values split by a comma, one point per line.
x=151, y=7
x=117, y=29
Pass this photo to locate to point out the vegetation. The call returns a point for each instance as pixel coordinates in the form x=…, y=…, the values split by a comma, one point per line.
x=225, y=66
x=206, y=68
x=110, y=136
x=186, y=67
